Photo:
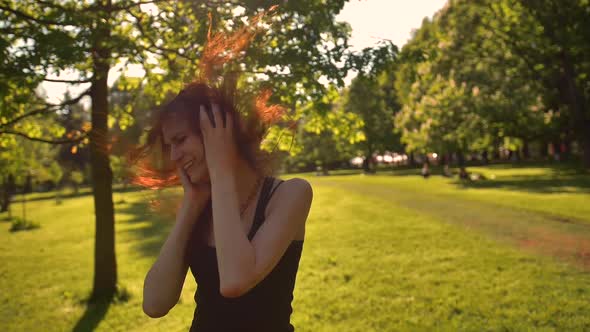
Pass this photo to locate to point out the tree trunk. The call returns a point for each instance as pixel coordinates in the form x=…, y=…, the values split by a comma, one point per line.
x=366, y=165
x=446, y=160
x=5, y=198
x=462, y=170
x=105, y=266
x=368, y=158
x=525, y=151
x=411, y=159
x=578, y=104
x=484, y=157
x=8, y=190
x=556, y=149
x=585, y=142
x=325, y=168
x=564, y=148
x=543, y=150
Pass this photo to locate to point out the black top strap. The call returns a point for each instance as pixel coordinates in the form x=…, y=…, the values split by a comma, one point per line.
x=263, y=200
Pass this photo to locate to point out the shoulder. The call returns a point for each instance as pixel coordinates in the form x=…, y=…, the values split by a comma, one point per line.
x=295, y=191
x=298, y=187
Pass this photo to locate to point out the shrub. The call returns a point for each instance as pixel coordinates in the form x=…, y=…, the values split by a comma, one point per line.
x=20, y=224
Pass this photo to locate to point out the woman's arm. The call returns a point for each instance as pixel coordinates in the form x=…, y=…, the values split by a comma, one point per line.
x=163, y=283
x=243, y=264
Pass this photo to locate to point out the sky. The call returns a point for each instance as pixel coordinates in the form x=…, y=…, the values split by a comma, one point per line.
x=371, y=21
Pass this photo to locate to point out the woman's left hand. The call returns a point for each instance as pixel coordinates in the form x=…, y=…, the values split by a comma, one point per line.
x=218, y=140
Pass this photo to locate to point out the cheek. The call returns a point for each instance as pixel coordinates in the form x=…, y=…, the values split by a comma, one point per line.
x=196, y=147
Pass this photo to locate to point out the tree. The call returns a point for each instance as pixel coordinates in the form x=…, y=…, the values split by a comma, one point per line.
x=372, y=97
x=556, y=54
x=325, y=139
x=42, y=39
x=527, y=58
x=23, y=160
x=462, y=92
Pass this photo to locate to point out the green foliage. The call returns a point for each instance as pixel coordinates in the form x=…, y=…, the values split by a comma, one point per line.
x=21, y=156
x=467, y=91
x=373, y=102
x=120, y=168
x=166, y=39
x=325, y=138
x=19, y=224
x=77, y=177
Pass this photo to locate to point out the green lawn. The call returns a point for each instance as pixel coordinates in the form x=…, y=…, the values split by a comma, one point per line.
x=383, y=253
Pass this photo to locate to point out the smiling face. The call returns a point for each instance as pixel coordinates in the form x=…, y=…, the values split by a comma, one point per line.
x=185, y=147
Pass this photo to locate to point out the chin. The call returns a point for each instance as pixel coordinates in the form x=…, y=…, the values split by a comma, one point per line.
x=199, y=180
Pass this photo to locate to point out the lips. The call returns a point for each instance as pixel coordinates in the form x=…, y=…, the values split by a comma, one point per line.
x=188, y=165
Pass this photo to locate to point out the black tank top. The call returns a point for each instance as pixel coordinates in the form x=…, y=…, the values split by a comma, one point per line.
x=266, y=307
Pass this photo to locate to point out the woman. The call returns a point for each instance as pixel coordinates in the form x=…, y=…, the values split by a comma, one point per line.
x=239, y=229
x=240, y=232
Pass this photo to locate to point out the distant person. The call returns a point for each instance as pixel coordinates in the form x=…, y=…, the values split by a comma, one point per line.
x=425, y=170
x=446, y=169
x=239, y=229
x=463, y=175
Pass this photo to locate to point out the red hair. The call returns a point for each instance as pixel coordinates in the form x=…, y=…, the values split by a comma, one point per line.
x=251, y=119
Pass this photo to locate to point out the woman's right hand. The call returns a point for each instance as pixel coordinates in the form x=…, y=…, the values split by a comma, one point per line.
x=195, y=195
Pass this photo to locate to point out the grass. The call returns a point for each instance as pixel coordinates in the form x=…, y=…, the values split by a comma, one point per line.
x=383, y=253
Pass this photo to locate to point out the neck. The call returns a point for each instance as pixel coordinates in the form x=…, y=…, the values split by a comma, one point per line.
x=246, y=179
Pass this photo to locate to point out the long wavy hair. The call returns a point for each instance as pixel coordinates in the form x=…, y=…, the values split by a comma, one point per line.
x=252, y=116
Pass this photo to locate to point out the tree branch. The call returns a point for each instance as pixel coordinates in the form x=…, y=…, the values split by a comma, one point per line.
x=138, y=20
x=135, y=4
x=88, y=80
x=34, y=19
x=48, y=108
x=38, y=139
x=53, y=5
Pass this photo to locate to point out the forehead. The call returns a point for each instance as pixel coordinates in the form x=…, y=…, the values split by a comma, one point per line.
x=173, y=125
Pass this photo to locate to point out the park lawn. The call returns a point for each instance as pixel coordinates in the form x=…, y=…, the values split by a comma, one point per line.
x=558, y=191
x=375, y=259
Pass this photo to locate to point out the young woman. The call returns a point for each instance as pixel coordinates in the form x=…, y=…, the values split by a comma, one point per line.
x=239, y=229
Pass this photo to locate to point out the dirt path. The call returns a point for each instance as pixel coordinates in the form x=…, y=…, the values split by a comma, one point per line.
x=563, y=238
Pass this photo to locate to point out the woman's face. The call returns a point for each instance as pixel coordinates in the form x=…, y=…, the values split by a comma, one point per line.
x=186, y=148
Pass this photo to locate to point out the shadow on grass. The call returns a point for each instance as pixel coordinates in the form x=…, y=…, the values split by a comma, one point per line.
x=397, y=171
x=81, y=193
x=558, y=180
x=147, y=239
x=93, y=315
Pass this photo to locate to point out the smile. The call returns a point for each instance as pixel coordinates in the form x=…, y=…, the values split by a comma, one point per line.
x=188, y=165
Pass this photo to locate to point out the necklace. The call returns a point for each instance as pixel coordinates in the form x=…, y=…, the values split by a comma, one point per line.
x=250, y=197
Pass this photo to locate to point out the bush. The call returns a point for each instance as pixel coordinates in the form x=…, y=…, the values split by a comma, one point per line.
x=19, y=224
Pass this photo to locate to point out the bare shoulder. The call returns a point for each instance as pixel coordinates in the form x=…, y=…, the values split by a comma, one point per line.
x=291, y=202
x=295, y=188
x=295, y=193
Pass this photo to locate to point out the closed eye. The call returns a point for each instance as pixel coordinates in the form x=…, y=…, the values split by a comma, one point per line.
x=178, y=140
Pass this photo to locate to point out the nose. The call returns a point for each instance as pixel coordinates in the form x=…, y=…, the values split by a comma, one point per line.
x=175, y=153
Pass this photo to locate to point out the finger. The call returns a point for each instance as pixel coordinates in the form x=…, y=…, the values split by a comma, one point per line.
x=182, y=175
x=229, y=120
x=206, y=119
x=210, y=115
x=218, y=114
